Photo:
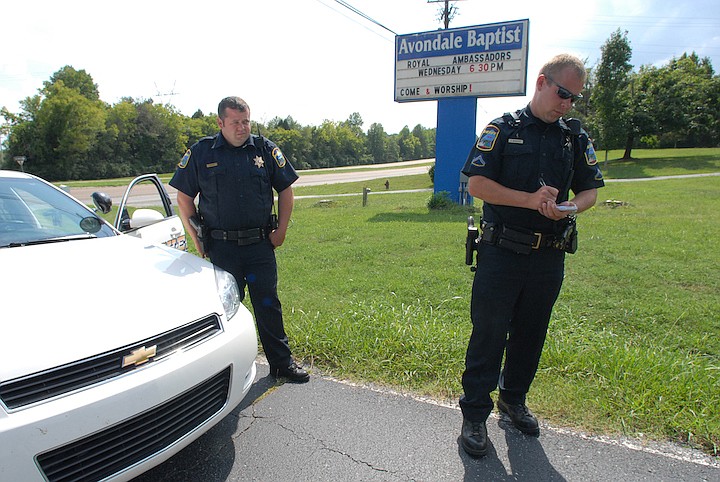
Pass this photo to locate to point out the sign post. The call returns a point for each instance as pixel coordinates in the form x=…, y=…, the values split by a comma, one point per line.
x=20, y=160
x=455, y=67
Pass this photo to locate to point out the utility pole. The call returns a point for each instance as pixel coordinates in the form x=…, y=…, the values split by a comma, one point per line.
x=165, y=94
x=447, y=13
x=456, y=119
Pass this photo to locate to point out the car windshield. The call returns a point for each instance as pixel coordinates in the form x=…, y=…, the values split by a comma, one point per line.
x=33, y=212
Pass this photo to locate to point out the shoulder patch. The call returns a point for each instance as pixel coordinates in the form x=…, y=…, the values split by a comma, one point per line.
x=487, y=139
x=278, y=156
x=478, y=161
x=590, y=155
x=185, y=159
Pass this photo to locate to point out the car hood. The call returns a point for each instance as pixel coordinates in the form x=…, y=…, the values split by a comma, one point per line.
x=66, y=301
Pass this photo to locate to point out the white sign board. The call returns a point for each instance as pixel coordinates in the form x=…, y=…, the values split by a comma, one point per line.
x=481, y=61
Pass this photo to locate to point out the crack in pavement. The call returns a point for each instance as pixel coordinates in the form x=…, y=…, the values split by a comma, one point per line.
x=323, y=445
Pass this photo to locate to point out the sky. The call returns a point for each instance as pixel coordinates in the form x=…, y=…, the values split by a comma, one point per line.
x=313, y=60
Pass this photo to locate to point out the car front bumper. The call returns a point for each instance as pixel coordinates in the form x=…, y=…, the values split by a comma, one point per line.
x=150, y=408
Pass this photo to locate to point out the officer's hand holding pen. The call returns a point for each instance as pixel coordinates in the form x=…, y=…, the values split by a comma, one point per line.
x=548, y=207
x=546, y=194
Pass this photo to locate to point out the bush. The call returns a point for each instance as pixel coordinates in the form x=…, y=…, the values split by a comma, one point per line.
x=441, y=200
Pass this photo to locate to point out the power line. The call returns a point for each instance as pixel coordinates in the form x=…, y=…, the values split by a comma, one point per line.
x=363, y=15
x=352, y=19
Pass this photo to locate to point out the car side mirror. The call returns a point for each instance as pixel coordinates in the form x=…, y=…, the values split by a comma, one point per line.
x=144, y=217
x=102, y=202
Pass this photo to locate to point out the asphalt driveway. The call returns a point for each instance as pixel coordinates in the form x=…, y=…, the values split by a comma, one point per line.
x=327, y=430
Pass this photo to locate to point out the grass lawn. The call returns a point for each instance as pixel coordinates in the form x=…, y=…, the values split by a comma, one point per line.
x=381, y=294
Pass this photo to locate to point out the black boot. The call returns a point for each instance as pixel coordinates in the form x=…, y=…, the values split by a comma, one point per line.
x=293, y=372
x=522, y=418
x=474, y=438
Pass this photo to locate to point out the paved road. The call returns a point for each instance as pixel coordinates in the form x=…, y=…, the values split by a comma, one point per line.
x=327, y=430
x=335, y=176
x=318, y=177
x=144, y=194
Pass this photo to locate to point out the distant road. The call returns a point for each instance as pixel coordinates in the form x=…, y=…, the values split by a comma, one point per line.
x=313, y=177
x=317, y=177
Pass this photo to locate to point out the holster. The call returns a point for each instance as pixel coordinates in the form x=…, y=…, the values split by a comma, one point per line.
x=568, y=241
x=471, y=241
x=201, y=231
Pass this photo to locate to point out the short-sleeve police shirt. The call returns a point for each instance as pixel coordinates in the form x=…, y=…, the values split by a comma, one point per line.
x=235, y=184
x=523, y=153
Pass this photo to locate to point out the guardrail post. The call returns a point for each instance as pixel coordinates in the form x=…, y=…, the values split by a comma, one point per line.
x=366, y=190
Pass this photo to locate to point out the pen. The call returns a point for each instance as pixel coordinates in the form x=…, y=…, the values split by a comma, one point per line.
x=542, y=181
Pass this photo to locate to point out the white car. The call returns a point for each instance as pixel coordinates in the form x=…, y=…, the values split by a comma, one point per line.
x=115, y=351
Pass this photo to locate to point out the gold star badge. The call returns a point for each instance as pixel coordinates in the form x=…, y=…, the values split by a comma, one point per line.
x=259, y=161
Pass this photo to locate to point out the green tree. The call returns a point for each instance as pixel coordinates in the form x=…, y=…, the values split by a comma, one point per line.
x=611, y=95
x=392, y=149
x=682, y=102
x=582, y=109
x=57, y=130
x=426, y=137
x=410, y=147
x=294, y=143
x=199, y=126
x=19, y=129
x=65, y=130
x=160, y=139
x=115, y=151
x=140, y=137
x=78, y=80
x=355, y=123
x=376, y=137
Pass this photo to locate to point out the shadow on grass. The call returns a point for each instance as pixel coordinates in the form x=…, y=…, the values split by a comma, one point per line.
x=645, y=167
x=459, y=214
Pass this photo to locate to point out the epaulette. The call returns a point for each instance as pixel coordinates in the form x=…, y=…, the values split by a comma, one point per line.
x=260, y=145
x=259, y=142
x=574, y=125
x=512, y=119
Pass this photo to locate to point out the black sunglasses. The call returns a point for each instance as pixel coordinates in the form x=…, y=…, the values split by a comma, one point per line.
x=563, y=93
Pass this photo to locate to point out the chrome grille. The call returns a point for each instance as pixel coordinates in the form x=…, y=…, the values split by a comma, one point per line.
x=83, y=373
x=121, y=446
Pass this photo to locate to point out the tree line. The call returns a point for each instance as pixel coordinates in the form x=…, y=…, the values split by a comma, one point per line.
x=675, y=105
x=66, y=132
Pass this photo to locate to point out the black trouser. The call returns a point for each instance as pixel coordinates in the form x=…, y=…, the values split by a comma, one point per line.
x=254, y=266
x=512, y=300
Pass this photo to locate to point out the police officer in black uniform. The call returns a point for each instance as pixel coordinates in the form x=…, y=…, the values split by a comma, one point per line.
x=523, y=166
x=234, y=174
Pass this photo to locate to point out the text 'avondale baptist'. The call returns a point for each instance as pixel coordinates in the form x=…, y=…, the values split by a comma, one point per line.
x=454, y=41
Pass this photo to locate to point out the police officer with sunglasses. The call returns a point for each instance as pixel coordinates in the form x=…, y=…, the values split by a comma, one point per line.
x=534, y=170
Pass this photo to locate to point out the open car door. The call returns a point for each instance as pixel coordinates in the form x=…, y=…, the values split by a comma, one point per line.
x=146, y=212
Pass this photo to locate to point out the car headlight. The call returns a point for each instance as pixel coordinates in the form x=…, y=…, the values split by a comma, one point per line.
x=228, y=292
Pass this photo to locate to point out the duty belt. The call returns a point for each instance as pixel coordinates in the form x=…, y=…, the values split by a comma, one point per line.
x=517, y=240
x=242, y=237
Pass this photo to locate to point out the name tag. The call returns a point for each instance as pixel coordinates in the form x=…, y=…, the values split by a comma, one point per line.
x=212, y=164
x=514, y=140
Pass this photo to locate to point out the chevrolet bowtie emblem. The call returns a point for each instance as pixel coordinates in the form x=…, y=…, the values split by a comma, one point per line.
x=139, y=356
